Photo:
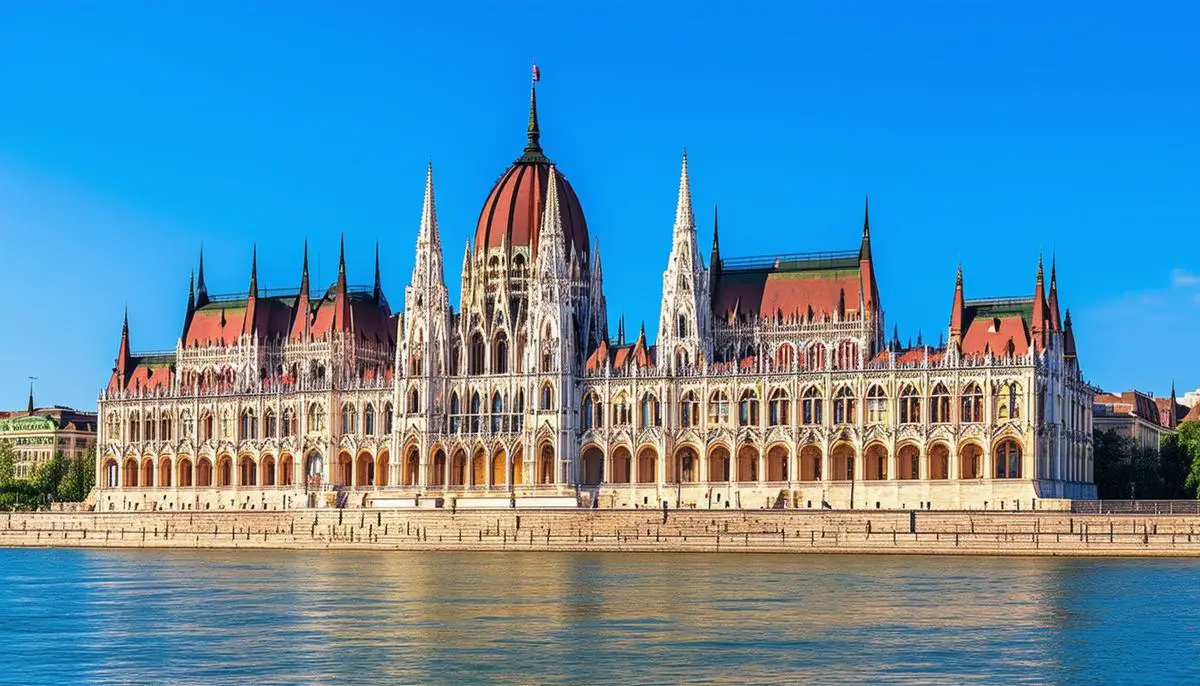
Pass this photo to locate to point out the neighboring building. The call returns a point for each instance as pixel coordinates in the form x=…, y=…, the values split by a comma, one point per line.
x=1190, y=399
x=771, y=377
x=38, y=433
x=1171, y=412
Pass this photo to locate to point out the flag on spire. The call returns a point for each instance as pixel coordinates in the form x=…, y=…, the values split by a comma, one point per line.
x=537, y=74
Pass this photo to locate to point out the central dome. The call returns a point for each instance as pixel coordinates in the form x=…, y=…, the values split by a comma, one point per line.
x=512, y=213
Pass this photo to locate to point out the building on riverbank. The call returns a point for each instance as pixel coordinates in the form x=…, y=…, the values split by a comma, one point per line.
x=771, y=381
x=37, y=434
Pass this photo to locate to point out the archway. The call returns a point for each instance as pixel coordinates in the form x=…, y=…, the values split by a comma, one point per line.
x=685, y=468
x=164, y=472
x=184, y=479
x=437, y=470
x=224, y=471
x=364, y=470
x=545, y=464
x=875, y=462
x=344, y=473
x=479, y=468
x=718, y=464
x=1007, y=458
x=287, y=468
x=204, y=473
x=647, y=465
x=842, y=459
x=499, y=468
x=111, y=473
x=908, y=459
x=247, y=471
x=147, y=478
x=810, y=463
x=266, y=471
x=412, y=463
x=747, y=463
x=939, y=461
x=591, y=468
x=518, y=466
x=129, y=474
x=622, y=466
x=314, y=468
x=970, y=461
x=777, y=463
x=382, y=467
x=458, y=468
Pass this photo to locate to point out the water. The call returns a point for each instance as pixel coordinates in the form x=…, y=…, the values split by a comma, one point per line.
x=80, y=616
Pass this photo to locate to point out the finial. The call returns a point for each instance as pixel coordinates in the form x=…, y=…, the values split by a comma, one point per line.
x=866, y=216
x=254, y=271
x=716, y=231
x=342, y=256
x=1039, y=273
x=683, y=207
x=378, y=291
x=958, y=277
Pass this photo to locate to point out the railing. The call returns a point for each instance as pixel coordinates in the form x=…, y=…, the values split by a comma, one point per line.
x=1188, y=507
x=816, y=260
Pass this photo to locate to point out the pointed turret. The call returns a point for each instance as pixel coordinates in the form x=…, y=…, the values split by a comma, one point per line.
x=686, y=310
x=377, y=291
x=683, y=206
x=551, y=253
x=1055, y=322
x=869, y=290
x=533, y=146
x=191, y=305
x=1068, y=337
x=621, y=330
x=30, y=409
x=124, y=362
x=249, y=324
x=201, y=289
x=1038, y=325
x=957, y=311
x=341, y=300
x=714, y=259
x=302, y=315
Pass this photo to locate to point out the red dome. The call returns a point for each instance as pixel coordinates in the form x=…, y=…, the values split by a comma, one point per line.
x=513, y=210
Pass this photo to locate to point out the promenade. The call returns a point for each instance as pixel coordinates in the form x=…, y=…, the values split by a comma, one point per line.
x=727, y=531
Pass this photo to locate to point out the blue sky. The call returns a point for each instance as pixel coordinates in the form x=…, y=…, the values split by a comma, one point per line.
x=133, y=132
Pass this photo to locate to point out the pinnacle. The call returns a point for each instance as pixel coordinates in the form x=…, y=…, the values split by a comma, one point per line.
x=683, y=207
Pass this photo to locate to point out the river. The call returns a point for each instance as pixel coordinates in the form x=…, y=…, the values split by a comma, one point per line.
x=88, y=616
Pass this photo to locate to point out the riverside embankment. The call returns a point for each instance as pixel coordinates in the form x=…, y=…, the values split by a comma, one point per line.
x=726, y=531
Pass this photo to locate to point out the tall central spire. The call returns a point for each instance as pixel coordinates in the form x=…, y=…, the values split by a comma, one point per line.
x=533, y=148
x=683, y=208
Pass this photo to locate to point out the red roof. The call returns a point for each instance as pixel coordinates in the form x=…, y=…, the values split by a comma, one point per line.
x=513, y=210
x=788, y=286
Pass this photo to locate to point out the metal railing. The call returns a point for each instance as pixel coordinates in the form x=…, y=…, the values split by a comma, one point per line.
x=1146, y=507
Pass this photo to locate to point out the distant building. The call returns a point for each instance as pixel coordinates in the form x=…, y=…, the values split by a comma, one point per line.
x=1191, y=398
x=38, y=433
x=1137, y=415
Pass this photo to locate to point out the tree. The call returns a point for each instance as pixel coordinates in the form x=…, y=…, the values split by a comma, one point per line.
x=48, y=475
x=6, y=463
x=1112, y=455
x=79, y=479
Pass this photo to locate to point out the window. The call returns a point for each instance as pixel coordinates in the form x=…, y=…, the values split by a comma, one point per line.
x=621, y=410
x=1008, y=460
x=972, y=404
x=748, y=408
x=814, y=357
x=476, y=410
x=846, y=356
x=592, y=414
x=349, y=418
x=939, y=405
x=369, y=420
x=650, y=411
x=455, y=413
x=497, y=411
x=681, y=325
x=270, y=424
x=718, y=408
x=500, y=354
x=778, y=408
x=910, y=406
x=414, y=400
x=844, y=410
x=689, y=410
x=387, y=418
x=1008, y=404
x=316, y=418
x=475, y=363
x=547, y=397
x=811, y=407
x=877, y=406
x=785, y=357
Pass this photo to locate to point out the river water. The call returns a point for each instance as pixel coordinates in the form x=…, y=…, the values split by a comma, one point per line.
x=88, y=616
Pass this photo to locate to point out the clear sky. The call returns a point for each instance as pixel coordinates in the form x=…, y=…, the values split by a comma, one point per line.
x=984, y=132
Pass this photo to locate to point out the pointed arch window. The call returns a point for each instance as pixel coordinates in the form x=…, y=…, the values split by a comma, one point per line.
x=592, y=413
x=814, y=357
x=846, y=356
x=689, y=410
x=939, y=405
x=811, y=406
x=845, y=409
x=785, y=358
x=475, y=364
x=369, y=420
x=455, y=413
x=270, y=423
x=650, y=411
x=547, y=397
x=1008, y=401
x=497, y=411
x=718, y=408
x=135, y=427
x=877, y=405
x=349, y=418
x=779, y=408
x=748, y=408
x=621, y=412
x=289, y=422
x=387, y=419
x=972, y=404
x=500, y=354
x=316, y=418
x=910, y=405
x=476, y=409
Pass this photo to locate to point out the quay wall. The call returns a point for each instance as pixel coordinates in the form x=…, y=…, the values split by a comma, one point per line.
x=726, y=531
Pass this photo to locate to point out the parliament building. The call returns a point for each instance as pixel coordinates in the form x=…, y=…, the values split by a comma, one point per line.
x=772, y=383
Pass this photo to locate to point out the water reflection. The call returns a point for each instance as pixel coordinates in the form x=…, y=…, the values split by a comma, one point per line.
x=527, y=617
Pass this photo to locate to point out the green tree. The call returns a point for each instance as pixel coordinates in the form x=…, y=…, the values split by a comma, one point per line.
x=49, y=475
x=1112, y=461
x=6, y=463
x=79, y=478
x=1174, y=465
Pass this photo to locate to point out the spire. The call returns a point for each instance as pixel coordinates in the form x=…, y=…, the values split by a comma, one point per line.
x=621, y=330
x=302, y=312
x=304, y=288
x=864, y=250
x=869, y=290
x=551, y=243
x=533, y=133
x=191, y=305
x=1068, y=336
x=254, y=272
x=124, y=358
x=341, y=304
x=957, y=310
x=429, y=226
x=1055, y=322
x=1038, y=325
x=377, y=292
x=250, y=322
x=684, y=219
x=31, y=396
x=201, y=289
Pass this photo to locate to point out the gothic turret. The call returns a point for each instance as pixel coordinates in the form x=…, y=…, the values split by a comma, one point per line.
x=684, y=319
x=302, y=315
x=191, y=304
x=341, y=298
x=957, y=312
x=1055, y=322
x=870, y=291
x=249, y=323
x=1038, y=325
x=201, y=289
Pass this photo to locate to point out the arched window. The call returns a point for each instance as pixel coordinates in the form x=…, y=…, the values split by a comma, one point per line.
x=748, y=408
x=972, y=404
x=877, y=405
x=650, y=413
x=206, y=426
x=846, y=356
x=500, y=354
x=939, y=405
x=497, y=411
x=778, y=408
x=187, y=424
x=814, y=357
x=547, y=397
x=164, y=427
x=349, y=418
x=910, y=406
x=1008, y=460
x=475, y=363
x=681, y=325
x=226, y=425
x=135, y=427
x=369, y=420
x=592, y=414
x=289, y=422
x=387, y=418
x=455, y=413
x=620, y=411
x=785, y=357
x=476, y=410
x=270, y=424
x=689, y=410
x=148, y=429
x=718, y=408
x=844, y=409
x=811, y=409
x=1008, y=402
x=414, y=400
x=316, y=418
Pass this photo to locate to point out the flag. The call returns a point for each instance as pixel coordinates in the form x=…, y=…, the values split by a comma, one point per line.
x=537, y=75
